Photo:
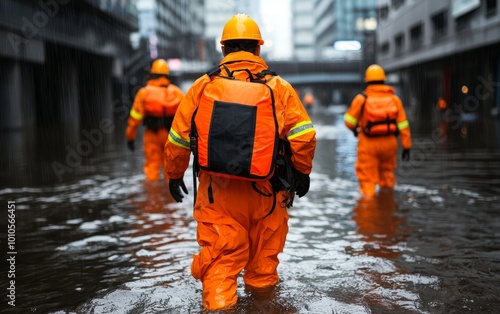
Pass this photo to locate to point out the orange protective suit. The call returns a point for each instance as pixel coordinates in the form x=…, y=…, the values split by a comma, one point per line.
x=159, y=99
x=377, y=155
x=246, y=225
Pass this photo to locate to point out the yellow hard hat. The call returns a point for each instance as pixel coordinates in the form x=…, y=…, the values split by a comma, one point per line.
x=241, y=26
x=160, y=66
x=374, y=73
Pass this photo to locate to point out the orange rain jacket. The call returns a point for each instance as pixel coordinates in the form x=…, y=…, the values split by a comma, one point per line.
x=377, y=155
x=159, y=98
x=240, y=229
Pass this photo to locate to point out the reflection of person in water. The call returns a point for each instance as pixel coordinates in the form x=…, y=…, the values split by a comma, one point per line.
x=154, y=218
x=378, y=224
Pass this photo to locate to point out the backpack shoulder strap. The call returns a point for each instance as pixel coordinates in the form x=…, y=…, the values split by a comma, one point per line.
x=262, y=74
x=213, y=71
x=364, y=102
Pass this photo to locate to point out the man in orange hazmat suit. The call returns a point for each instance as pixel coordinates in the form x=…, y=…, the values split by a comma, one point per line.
x=309, y=100
x=377, y=117
x=441, y=104
x=154, y=106
x=242, y=223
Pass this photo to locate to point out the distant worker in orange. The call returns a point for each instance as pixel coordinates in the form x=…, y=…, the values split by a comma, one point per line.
x=377, y=117
x=441, y=105
x=308, y=100
x=154, y=106
x=235, y=119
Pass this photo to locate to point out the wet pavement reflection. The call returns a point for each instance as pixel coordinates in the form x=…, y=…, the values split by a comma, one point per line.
x=101, y=240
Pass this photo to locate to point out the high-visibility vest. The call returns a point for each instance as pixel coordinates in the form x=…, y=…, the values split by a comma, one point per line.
x=235, y=129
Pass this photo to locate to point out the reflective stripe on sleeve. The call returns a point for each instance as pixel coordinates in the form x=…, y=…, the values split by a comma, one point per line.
x=134, y=114
x=175, y=139
x=299, y=129
x=350, y=119
x=403, y=125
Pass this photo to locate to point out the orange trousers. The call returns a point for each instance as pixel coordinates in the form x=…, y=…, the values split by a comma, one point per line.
x=239, y=231
x=376, y=162
x=154, y=144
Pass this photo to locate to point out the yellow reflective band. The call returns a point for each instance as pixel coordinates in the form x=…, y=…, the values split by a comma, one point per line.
x=350, y=119
x=299, y=129
x=134, y=114
x=403, y=125
x=175, y=139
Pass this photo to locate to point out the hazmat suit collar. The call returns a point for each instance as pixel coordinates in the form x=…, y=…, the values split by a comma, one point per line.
x=161, y=81
x=379, y=88
x=254, y=62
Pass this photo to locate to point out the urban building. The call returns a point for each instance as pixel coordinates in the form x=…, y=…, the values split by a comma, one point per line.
x=172, y=28
x=303, y=30
x=446, y=48
x=63, y=62
x=329, y=21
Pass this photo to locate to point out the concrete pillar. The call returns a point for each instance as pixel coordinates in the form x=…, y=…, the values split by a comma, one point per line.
x=68, y=98
x=105, y=97
x=96, y=90
x=11, y=95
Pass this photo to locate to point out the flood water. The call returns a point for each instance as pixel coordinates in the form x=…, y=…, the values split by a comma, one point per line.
x=92, y=237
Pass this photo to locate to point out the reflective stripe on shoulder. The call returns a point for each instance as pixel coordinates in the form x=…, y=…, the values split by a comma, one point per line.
x=175, y=139
x=299, y=129
x=136, y=115
x=350, y=119
x=403, y=125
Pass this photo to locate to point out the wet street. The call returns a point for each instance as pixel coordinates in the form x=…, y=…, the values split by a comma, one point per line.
x=90, y=236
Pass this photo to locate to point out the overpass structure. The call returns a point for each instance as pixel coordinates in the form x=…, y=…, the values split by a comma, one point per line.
x=331, y=81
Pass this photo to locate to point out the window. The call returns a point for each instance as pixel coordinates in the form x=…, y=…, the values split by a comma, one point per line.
x=462, y=23
x=416, y=36
x=383, y=13
x=396, y=4
x=399, y=42
x=491, y=7
x=439, y=24
x=384, y=48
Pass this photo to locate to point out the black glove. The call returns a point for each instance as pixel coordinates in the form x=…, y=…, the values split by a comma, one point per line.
x=302, y=182
x=131, y=145
x=405, y=155
x=175, y=191
x=355, y=131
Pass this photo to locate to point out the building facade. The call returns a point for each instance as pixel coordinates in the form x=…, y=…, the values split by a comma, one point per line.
x=303, y=30
x=321, y=23
x=445, y=48
x=172, y=29
x=62, y=62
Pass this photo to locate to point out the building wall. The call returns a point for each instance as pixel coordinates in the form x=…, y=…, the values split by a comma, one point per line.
x=434, y=49
x=172, y=28
x=467, y=31
x=339, y=20
x=303, y=23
